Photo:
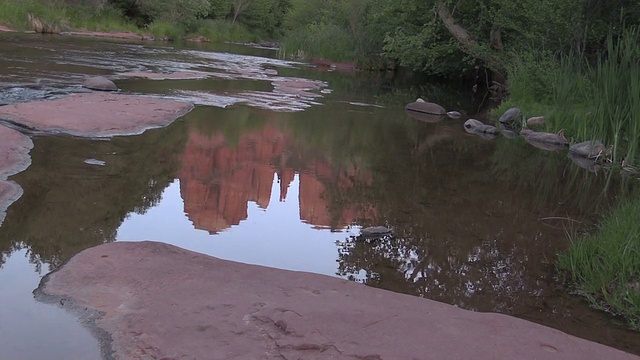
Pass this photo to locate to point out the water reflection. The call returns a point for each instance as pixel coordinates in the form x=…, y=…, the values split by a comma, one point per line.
x=57, y=334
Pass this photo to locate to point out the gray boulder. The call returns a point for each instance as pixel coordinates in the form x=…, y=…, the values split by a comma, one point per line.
x=100, y=83
x=589, y=149
x=512, y=115
x=544, y=140
x=487, y=132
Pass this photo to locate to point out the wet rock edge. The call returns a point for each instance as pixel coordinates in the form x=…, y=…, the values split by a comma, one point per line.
x=86, y=316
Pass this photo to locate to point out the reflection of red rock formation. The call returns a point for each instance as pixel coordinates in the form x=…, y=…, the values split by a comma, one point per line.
x=218, y=180
x=313, y=205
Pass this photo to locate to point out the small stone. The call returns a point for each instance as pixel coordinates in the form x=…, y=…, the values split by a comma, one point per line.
x=536, y=121
x=95, y=162
x=454, y=114
x=100, y=83
x=376, y=231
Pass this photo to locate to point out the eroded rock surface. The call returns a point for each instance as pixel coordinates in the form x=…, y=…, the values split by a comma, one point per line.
x=161, y=302
x=14, y=158
x=96, y=114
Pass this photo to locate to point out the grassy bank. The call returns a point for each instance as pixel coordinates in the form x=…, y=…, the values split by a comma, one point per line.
x=605, y=266
x=56, y=15
x=590, y=99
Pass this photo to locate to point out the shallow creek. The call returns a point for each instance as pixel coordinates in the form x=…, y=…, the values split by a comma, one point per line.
x=281, y=164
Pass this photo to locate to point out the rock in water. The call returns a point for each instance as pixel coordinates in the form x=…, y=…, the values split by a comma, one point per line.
x=475, y=127
x=375, y=231
x=100, y=83
x=454, y=114
x=588, y=149
x=426, y=107
x=544, y=140
x=510, y=116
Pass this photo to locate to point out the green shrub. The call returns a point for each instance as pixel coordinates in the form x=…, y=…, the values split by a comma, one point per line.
x=605, y=266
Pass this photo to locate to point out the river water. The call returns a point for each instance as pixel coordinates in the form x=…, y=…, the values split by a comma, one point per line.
x=267, y=173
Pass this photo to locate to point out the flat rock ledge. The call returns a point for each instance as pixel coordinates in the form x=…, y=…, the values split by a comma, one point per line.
x=96, y=114
x=14, y=158
x=149, y=300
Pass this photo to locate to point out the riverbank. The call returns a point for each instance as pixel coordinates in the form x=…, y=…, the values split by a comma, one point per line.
x=595, y=100
x=122, y=288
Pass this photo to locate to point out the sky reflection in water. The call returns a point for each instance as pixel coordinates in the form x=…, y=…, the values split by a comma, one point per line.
x=273, y=237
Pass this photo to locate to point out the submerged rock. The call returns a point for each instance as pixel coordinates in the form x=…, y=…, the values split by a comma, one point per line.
x=512, y=115
x=544, y=140
x=588, y=149
x=172, y=303
x=422, y=106
x=376, y=231
x=100, y=83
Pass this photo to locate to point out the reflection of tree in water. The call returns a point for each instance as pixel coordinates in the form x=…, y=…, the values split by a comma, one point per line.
x=68, y=206
x=468, y=227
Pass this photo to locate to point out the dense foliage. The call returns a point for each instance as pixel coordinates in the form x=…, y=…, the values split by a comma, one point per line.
x=439, y=37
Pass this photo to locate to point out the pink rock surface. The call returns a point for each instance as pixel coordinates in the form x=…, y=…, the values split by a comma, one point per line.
x=9, y=193
x=14, y=152
x=96, y=114
x=14, y=158
x=157, y=301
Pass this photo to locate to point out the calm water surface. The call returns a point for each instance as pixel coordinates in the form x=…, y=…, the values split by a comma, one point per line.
x=267, y=174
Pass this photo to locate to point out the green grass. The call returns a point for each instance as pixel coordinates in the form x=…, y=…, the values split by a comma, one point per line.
x=221, y=30
x=165, y=30
x=605, y=266
x=58, y=15
x=320, y=41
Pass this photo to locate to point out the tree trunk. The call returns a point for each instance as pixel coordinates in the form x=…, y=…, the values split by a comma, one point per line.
x=468, y=42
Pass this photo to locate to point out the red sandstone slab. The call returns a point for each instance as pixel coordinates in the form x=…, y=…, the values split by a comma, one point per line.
x=14, y=158
x=156, y=301
x=96, y=114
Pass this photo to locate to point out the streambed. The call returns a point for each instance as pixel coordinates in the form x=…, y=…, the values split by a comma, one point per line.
x=281, y=165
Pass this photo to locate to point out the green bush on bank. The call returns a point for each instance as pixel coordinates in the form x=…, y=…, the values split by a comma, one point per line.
x=605, y=266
